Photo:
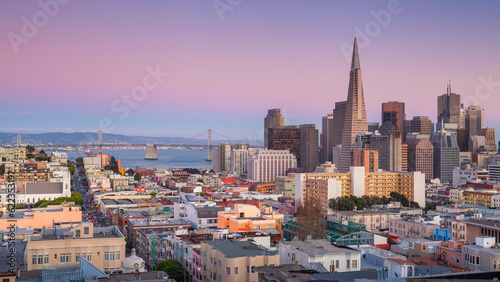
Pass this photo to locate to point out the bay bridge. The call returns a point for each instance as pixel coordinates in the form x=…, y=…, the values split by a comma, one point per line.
x=91, y=143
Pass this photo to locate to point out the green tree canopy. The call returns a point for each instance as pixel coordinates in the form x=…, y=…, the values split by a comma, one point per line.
x=173, y=268
x=137, y=177
x=79, y=160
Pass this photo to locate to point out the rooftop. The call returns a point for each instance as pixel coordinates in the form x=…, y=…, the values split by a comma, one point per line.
x=319, y=247
x=237, y=249
x=44, y=188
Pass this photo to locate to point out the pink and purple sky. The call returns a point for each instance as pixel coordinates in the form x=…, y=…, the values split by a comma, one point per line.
x=226, y=70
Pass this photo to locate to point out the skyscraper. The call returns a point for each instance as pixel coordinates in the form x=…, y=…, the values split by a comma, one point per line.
x=308, y=147
x=449, y=107
x=273, y=119
x=326, y=138
x=420, y=155
x=338, y=123
x=285, y=138
x=446, y=154
x=355, y=112
x=394, y=112
x=474, y=120
x=422, y=125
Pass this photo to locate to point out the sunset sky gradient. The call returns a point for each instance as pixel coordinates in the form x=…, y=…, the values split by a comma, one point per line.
x=224, y=73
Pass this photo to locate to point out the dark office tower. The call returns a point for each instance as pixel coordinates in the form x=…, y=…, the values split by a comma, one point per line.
x=474, y=120
x=446, y=154
x=373, y=126
x=449, y=107
x=309, y=158
x=407, y=127
x=489, y=134
x=326, y=138
x=273, y=119
x=355, y=112
x=394, y=112
x=422, y=125
x=463, y=139
x=420, y=155
x=285, y=138
x=338, y=122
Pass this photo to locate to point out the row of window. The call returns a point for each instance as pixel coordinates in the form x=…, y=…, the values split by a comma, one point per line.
x=66, y=257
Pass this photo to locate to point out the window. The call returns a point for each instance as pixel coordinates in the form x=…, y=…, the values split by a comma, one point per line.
x=269, y=226
x=228, y=270
x=258, y=227
x=40, y=259
x=220, y=263
x=253, y=268
x=77, y=235
x=106, y=255
x=423, y=247
x=235, y=270
x=111, y=269
x=354, y=263
x=117, y=255
x=215, y=276
x=86, y=230
x=337, y=264
x=89, y=257
x=34, y=259
x=111, y=255
x=348, y=264
x=248, y=268
x=77, y=257
x=46, y=259
x=477, y=260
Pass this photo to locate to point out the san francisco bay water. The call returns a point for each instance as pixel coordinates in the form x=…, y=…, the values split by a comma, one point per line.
x=166, y=158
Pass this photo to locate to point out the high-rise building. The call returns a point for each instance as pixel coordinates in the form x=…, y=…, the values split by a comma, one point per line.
x=372, y=126
x=420, y=155
x=489, y=134
x=326, y=138
x=355, y=112
x=221, y=158
x=404, y=157
x=266, y=165
x=365, y=158
x=394, y=112
x=389, y=150
x=273, y=119
x=446, y=154
x=338, y=123
x=463, y=139
x=309, y=158
x=285, y=138
x=449, y=107
x=239, y=158
x=474, y=120
x=422, y=125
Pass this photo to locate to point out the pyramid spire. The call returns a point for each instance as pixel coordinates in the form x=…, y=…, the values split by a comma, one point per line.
x=355, y=55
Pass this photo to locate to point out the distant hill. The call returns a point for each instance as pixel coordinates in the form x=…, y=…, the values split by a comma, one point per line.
x=61, y=138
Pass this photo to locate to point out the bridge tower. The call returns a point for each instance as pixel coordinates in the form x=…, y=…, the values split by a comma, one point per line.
x=99, y=140
x=209, y=156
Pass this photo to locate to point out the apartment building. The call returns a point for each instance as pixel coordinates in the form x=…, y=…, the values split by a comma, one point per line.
x=285, y=185
x=103, y=246
x=231, y=260
x=414, y=227
x=374, y=220
x=266, y=165
x=250, y=218
x=320, y=187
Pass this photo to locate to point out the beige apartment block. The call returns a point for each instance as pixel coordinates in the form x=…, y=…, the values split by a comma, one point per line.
x=103, y=246
x=227, y=260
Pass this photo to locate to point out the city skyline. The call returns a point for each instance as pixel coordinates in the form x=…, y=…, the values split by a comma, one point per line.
x=226, y=69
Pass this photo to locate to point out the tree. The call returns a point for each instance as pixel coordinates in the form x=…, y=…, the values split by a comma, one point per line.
x=345, y=204
x=130, y=172
x=153, y=194
x=137, y=177
x=107, y=167
x=333, y=204
x=30, y=149
x=414, y=205
x=311, y=221
x=401, y=198
x=431, y=206
x=173, y=268
x=78, y=198
x=42, y=152
x=2, y=169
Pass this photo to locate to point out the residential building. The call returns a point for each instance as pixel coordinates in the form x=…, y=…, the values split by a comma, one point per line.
x=332, y=258
x=374, y=220
x=103, y=246
x=414, y=227
x=320, y=187
x=221, y=158
x=228, y=260
x=285, y=185
x=420, y=155
x=239, y=158
x=450, y=252
x=250, y=218
x=483, y=256
x=263, y=187
x=266, y=165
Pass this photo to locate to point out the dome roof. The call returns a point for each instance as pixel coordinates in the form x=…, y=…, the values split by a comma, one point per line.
x=133, y=262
